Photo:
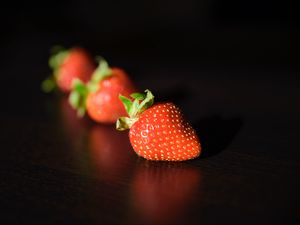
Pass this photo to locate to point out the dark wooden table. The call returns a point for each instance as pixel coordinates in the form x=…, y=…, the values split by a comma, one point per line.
x=57, y=169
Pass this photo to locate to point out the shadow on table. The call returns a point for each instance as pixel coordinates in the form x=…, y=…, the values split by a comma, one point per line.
x=216, y=133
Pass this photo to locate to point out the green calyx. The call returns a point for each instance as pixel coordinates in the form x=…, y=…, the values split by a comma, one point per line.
x=80, y=91
x=103, y=71
x=78, y=95
x=49, y=84
x=58, y=55
x=141, y=102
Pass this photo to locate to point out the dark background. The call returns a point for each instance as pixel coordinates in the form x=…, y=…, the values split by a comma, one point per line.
x=233, y=66
x=210, y=38
x=209, y=32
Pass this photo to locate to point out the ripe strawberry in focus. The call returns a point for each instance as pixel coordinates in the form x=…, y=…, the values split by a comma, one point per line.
x=158, y=132
x=100, y=96
x=67, y=65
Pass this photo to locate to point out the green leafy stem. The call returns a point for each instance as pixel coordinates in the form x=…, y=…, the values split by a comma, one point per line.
x=80, y=91
x=141, y=102
x=58, y=55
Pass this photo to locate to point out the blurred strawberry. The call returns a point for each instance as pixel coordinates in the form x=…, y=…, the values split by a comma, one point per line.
x=100, y=96
x=68, y=65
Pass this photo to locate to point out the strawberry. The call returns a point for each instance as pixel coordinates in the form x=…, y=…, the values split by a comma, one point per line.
x=99, y=97
x=158, y=132
x=68, y=65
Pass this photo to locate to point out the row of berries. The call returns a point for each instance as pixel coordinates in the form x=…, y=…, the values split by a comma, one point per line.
x=157, y=131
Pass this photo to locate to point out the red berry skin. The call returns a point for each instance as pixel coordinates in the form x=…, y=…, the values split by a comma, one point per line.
x=78, y=64
x=104, y=105
x=162, y=133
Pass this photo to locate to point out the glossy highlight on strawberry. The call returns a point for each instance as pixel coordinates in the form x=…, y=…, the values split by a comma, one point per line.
x=158, y=132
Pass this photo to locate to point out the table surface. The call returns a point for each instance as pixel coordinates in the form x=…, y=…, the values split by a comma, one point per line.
x=58, y=169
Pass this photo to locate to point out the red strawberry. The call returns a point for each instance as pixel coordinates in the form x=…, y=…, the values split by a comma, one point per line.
x=100, y=97
x=158, y=132
x=68, y=65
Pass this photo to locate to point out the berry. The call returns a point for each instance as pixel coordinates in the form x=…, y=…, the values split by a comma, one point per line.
x=67, y=65
x=158, y=132
x=100, y=96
